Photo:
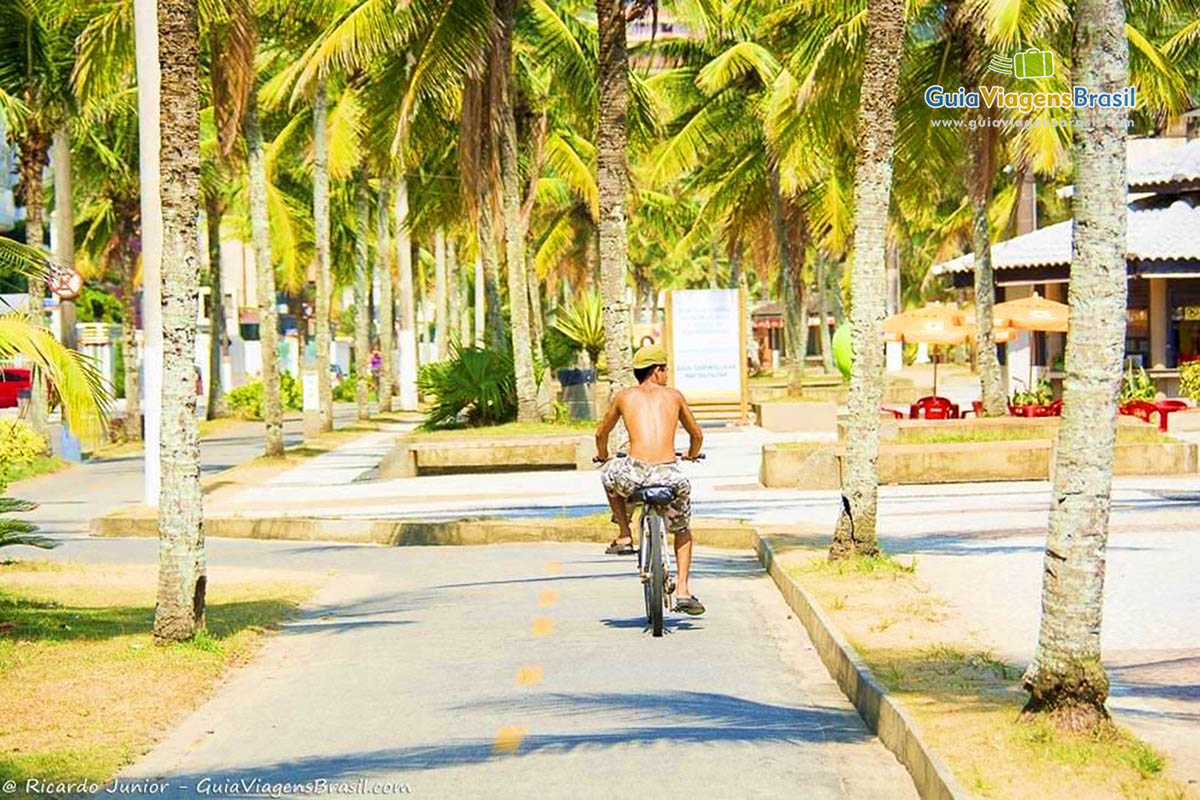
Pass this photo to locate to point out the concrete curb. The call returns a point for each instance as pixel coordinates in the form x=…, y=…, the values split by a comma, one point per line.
x=882, y=714
x=140, y=521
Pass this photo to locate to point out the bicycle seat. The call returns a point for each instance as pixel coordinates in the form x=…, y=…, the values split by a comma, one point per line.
x=654, y=495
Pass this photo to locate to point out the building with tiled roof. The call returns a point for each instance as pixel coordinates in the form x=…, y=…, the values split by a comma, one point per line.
x=1162, y=259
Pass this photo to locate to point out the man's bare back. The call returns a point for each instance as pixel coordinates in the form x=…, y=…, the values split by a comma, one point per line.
x=651, y=413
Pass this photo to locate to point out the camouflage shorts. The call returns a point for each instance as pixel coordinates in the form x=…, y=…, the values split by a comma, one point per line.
x=622, y=475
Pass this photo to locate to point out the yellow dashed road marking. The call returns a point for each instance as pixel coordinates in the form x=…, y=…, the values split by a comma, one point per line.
x=529, y=676
x=542, y=626
x=508, y=739
x=547, y=597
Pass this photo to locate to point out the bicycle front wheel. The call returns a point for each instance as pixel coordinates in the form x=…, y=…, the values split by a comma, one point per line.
x=658, y=574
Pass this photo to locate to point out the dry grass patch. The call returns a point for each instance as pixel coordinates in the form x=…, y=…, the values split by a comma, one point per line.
x=966, y=699
x=75, y=639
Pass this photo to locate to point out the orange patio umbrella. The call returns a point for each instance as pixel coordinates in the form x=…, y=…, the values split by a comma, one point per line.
x=932, y=324
x=1033, y=313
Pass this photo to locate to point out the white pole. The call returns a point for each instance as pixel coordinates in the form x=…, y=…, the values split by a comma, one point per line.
x=408, y=314
x=146, y=37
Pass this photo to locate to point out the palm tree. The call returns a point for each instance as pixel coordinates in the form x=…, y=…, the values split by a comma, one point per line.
x=855, y=533
x=264, y=266
x=324, y=275
x=612, y=173
x=383, y=260
x=179, y=613
x=362, y=283
x=1065, y=678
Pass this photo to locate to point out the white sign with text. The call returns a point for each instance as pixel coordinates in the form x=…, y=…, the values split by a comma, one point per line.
x=705, y=342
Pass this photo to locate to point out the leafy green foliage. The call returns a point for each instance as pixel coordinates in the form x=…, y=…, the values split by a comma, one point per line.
x=1137, y=386
x=19, y=445
x=1040, y=395
x=97, y=305
x=474, y=387
x=1189, y=380
x=560, y=350
x=582, y=324
x=247, y=401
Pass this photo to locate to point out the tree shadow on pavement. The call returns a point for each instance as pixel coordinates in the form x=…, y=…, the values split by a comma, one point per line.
x=667, y=717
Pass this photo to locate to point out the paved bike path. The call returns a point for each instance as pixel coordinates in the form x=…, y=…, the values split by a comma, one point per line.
x=524, y=671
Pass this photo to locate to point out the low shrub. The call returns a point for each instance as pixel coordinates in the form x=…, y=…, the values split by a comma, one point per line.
x=473, y=387
x=247, y=400
x=19, y=446
x=1137, y=386
x=1189, y=380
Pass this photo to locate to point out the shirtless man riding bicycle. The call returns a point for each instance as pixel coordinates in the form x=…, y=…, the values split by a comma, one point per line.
x=651, y=411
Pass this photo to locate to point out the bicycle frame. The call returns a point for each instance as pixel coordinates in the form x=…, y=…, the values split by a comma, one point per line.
x=645, y=550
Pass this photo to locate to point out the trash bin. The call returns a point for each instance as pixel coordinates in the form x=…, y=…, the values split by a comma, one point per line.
x=579, y=392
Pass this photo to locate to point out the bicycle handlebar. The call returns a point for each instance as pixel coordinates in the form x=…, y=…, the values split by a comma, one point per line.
x=678, y=454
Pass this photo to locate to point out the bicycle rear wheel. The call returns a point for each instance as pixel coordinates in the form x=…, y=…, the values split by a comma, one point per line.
x=658, y=577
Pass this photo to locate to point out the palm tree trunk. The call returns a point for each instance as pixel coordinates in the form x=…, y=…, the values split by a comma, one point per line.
x=514, y=234
x=33, y=147
x=179, y=613
x=405, y=301
x=612, y=179
x=495, y=333
x=387, y=339
x=480, y=280
x=1066, y=678
x=362, y=281
x=536, y=319
x=439, y=296
x=855, y=533
x=129, y=349
x=464, y=300
x=216, y=337
x=264, y=267
x=791, y=272
x=324, y=276
x=453, y=292
x=980, y=171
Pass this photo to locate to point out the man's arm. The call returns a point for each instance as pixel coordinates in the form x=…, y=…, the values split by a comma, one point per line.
x=607, y=423
x=691, y=426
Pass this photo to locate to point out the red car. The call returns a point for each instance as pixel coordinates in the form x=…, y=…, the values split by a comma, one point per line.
x=12, y=381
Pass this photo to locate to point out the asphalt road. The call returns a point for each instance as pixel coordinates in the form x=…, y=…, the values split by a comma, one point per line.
x=518, y=671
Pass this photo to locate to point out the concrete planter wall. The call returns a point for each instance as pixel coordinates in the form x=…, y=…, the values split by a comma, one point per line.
x=413, y=457
x=815, y=465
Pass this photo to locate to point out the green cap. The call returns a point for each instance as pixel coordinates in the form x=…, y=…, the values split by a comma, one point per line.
x=649, y=356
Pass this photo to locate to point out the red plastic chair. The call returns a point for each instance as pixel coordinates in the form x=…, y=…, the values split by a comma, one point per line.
x=933, y=408
x=896, y=414
x=1165, y=407
x=1056, y=408
x=1140, y=409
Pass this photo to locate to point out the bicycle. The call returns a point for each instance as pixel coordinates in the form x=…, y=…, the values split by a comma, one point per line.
x=654, y=557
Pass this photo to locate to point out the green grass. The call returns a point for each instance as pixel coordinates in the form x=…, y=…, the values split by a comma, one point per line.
x=879, y=565
x=42, y=465
x=510, y=430
x=74, y=638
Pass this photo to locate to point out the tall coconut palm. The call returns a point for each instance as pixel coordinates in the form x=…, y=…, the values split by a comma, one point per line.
x=387, y=325
x=264, y=267
x=362, y=283
x=1065, y=678
x=855, y=533
x=324, y=275
x=179, y=613
x=612, y=178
